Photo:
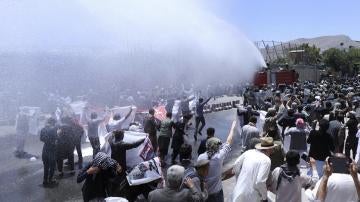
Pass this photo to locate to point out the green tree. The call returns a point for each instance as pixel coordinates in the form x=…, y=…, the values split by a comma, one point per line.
x=335, y=59
x=310, y=56
x=353, y=59
x=347, y=62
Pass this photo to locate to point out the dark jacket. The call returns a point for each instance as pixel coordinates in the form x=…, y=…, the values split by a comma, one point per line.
x=78, y=132
x=287, y=121
x=352, y=126
x=66, y=142
x=247, y=114
x=202, y=146
x=150, y=125
x=119, y=147
x=96, y=185
x=321, y=144
x=178, y=137
x=48, y=135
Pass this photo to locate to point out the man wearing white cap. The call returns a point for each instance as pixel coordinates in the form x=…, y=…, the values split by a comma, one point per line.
x=252, y=169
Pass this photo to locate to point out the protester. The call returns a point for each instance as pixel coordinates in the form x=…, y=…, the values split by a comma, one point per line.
x=210, y=132
x=216, y=153
x=65, y=145
x=280, y=108
x=298, y=136
x=119, y=147
x=197, y=174
x=96, y=175
x=287, y=181
x=199, y=116
x=337, y=132
x=300, y=113
x=151, y=126
x=184, y=105
x=178, y=137
x=116, y=123
x=351, y=140
x=172, y=192
x=186, y=156
x=251, y=170
x=22, y=130
x=287, y=121
x=321, y=144
x=244, y=115
x=78, y=131
x=165, y=135
x=48, y=135
x=93, y=134
x=248, y=132
x=335, y=187
x=270, y=127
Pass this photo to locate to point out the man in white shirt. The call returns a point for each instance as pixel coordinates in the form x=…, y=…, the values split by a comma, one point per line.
x=335, y=187
x=216, y=153
x=252, y=169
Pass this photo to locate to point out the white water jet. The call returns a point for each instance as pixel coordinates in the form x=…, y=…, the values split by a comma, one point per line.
x=147, y=42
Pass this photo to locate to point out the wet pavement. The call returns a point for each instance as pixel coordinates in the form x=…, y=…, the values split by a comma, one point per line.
x=21, y=179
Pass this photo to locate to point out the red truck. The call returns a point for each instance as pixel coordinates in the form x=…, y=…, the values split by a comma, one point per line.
x=263, y=78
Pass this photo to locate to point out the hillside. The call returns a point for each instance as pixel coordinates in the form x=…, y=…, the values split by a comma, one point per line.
x=326, y=42
x=323, y=42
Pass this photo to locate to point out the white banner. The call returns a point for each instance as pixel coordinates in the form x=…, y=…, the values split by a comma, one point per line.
x=176, y=111
x=145, y=172
x=133, y=156
x=33, y=114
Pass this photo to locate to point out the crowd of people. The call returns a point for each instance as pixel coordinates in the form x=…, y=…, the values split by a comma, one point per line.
x=307, y=147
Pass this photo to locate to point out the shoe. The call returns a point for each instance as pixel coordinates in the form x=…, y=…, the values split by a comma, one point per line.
x=53, y=182
x=195, y=138
x=200, y=133
x=61, y=174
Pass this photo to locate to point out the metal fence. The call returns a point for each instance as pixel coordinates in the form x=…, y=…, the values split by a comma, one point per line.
x=274, y=50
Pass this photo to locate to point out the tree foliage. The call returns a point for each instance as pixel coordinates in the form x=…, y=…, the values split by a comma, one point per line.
x=344, y=61
x=312, y=54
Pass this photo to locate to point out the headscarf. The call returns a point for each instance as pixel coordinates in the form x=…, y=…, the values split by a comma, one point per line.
x=103, y=161
x=212, y=146
x=288, y=173
x=300, y=123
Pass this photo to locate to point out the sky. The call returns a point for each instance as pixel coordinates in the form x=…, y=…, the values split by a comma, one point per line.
x=283, y=20
x=55, y=22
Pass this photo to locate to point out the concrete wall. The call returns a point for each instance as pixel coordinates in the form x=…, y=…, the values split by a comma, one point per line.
x=306, y=72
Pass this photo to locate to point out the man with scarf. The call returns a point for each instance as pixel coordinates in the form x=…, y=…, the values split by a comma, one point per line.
x=96, y=175
x=286, y=181
x=216, y=153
